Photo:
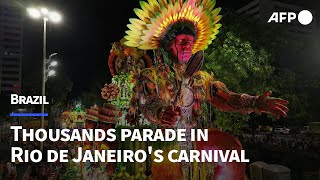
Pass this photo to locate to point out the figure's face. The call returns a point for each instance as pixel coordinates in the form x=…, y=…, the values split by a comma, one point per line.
x=182, y=47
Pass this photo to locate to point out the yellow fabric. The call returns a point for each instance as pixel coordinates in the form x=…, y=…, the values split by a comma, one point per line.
x=156, y=16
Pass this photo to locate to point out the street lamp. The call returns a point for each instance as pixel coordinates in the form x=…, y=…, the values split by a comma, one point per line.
x=46, y=15
x=53, y=64
x=49, y=71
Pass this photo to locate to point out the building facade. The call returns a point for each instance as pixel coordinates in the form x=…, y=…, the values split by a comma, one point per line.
x=11, y=47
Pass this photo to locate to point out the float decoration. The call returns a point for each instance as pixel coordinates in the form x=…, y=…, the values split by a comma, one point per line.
x=157, y=19
x=171, y=91
x=74, y=117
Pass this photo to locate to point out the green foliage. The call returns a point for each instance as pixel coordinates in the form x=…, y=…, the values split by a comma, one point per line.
x=231, y=122
x=92, y=97
x=71, y=174
x=243, y=69
x=244, y=58
x=289, y=84
x=237, y=64
x=260, y=35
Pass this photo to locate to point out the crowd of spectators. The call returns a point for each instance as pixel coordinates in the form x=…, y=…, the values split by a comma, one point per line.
x=8, y=170
x=47, y=171
x=43, y=170
x=277, y=143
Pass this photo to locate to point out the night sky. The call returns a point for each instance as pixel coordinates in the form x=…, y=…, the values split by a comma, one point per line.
x=83, y=39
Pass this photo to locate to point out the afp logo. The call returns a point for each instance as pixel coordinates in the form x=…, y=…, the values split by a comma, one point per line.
x=304, y=17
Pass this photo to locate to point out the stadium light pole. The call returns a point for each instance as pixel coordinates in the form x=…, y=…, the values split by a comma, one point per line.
x=46, y=15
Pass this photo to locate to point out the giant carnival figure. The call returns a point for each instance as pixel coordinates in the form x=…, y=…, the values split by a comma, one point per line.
x=170, y=91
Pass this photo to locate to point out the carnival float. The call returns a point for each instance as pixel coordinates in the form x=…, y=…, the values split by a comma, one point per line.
x=74, y=117
x=165, y=88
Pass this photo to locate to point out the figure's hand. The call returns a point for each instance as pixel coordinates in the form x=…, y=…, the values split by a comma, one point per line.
x=275, y=106
x=170, y=116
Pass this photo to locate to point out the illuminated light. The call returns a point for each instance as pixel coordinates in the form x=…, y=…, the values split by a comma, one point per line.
x=34, y=12
x=44, y=11
x=51, y=73
x=54, y=63
x=55, y=17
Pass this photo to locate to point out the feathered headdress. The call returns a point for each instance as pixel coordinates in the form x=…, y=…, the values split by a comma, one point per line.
x=158, y=17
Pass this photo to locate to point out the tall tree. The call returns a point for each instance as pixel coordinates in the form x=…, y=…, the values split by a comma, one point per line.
x=244, y=57
x=242, y=69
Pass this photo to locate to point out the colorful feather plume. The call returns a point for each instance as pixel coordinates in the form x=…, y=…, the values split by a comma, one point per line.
x=156, y=16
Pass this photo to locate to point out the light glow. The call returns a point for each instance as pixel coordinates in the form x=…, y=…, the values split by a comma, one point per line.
x=51, y=73
x=54, y=63
x=34, y=12
x=55, y=17
x=44, y=11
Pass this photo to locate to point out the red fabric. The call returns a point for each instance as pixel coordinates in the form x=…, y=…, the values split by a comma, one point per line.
x=219, y=140
x=111, y=61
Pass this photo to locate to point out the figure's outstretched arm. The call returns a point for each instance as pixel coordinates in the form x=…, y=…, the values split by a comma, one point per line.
x=226, y=100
